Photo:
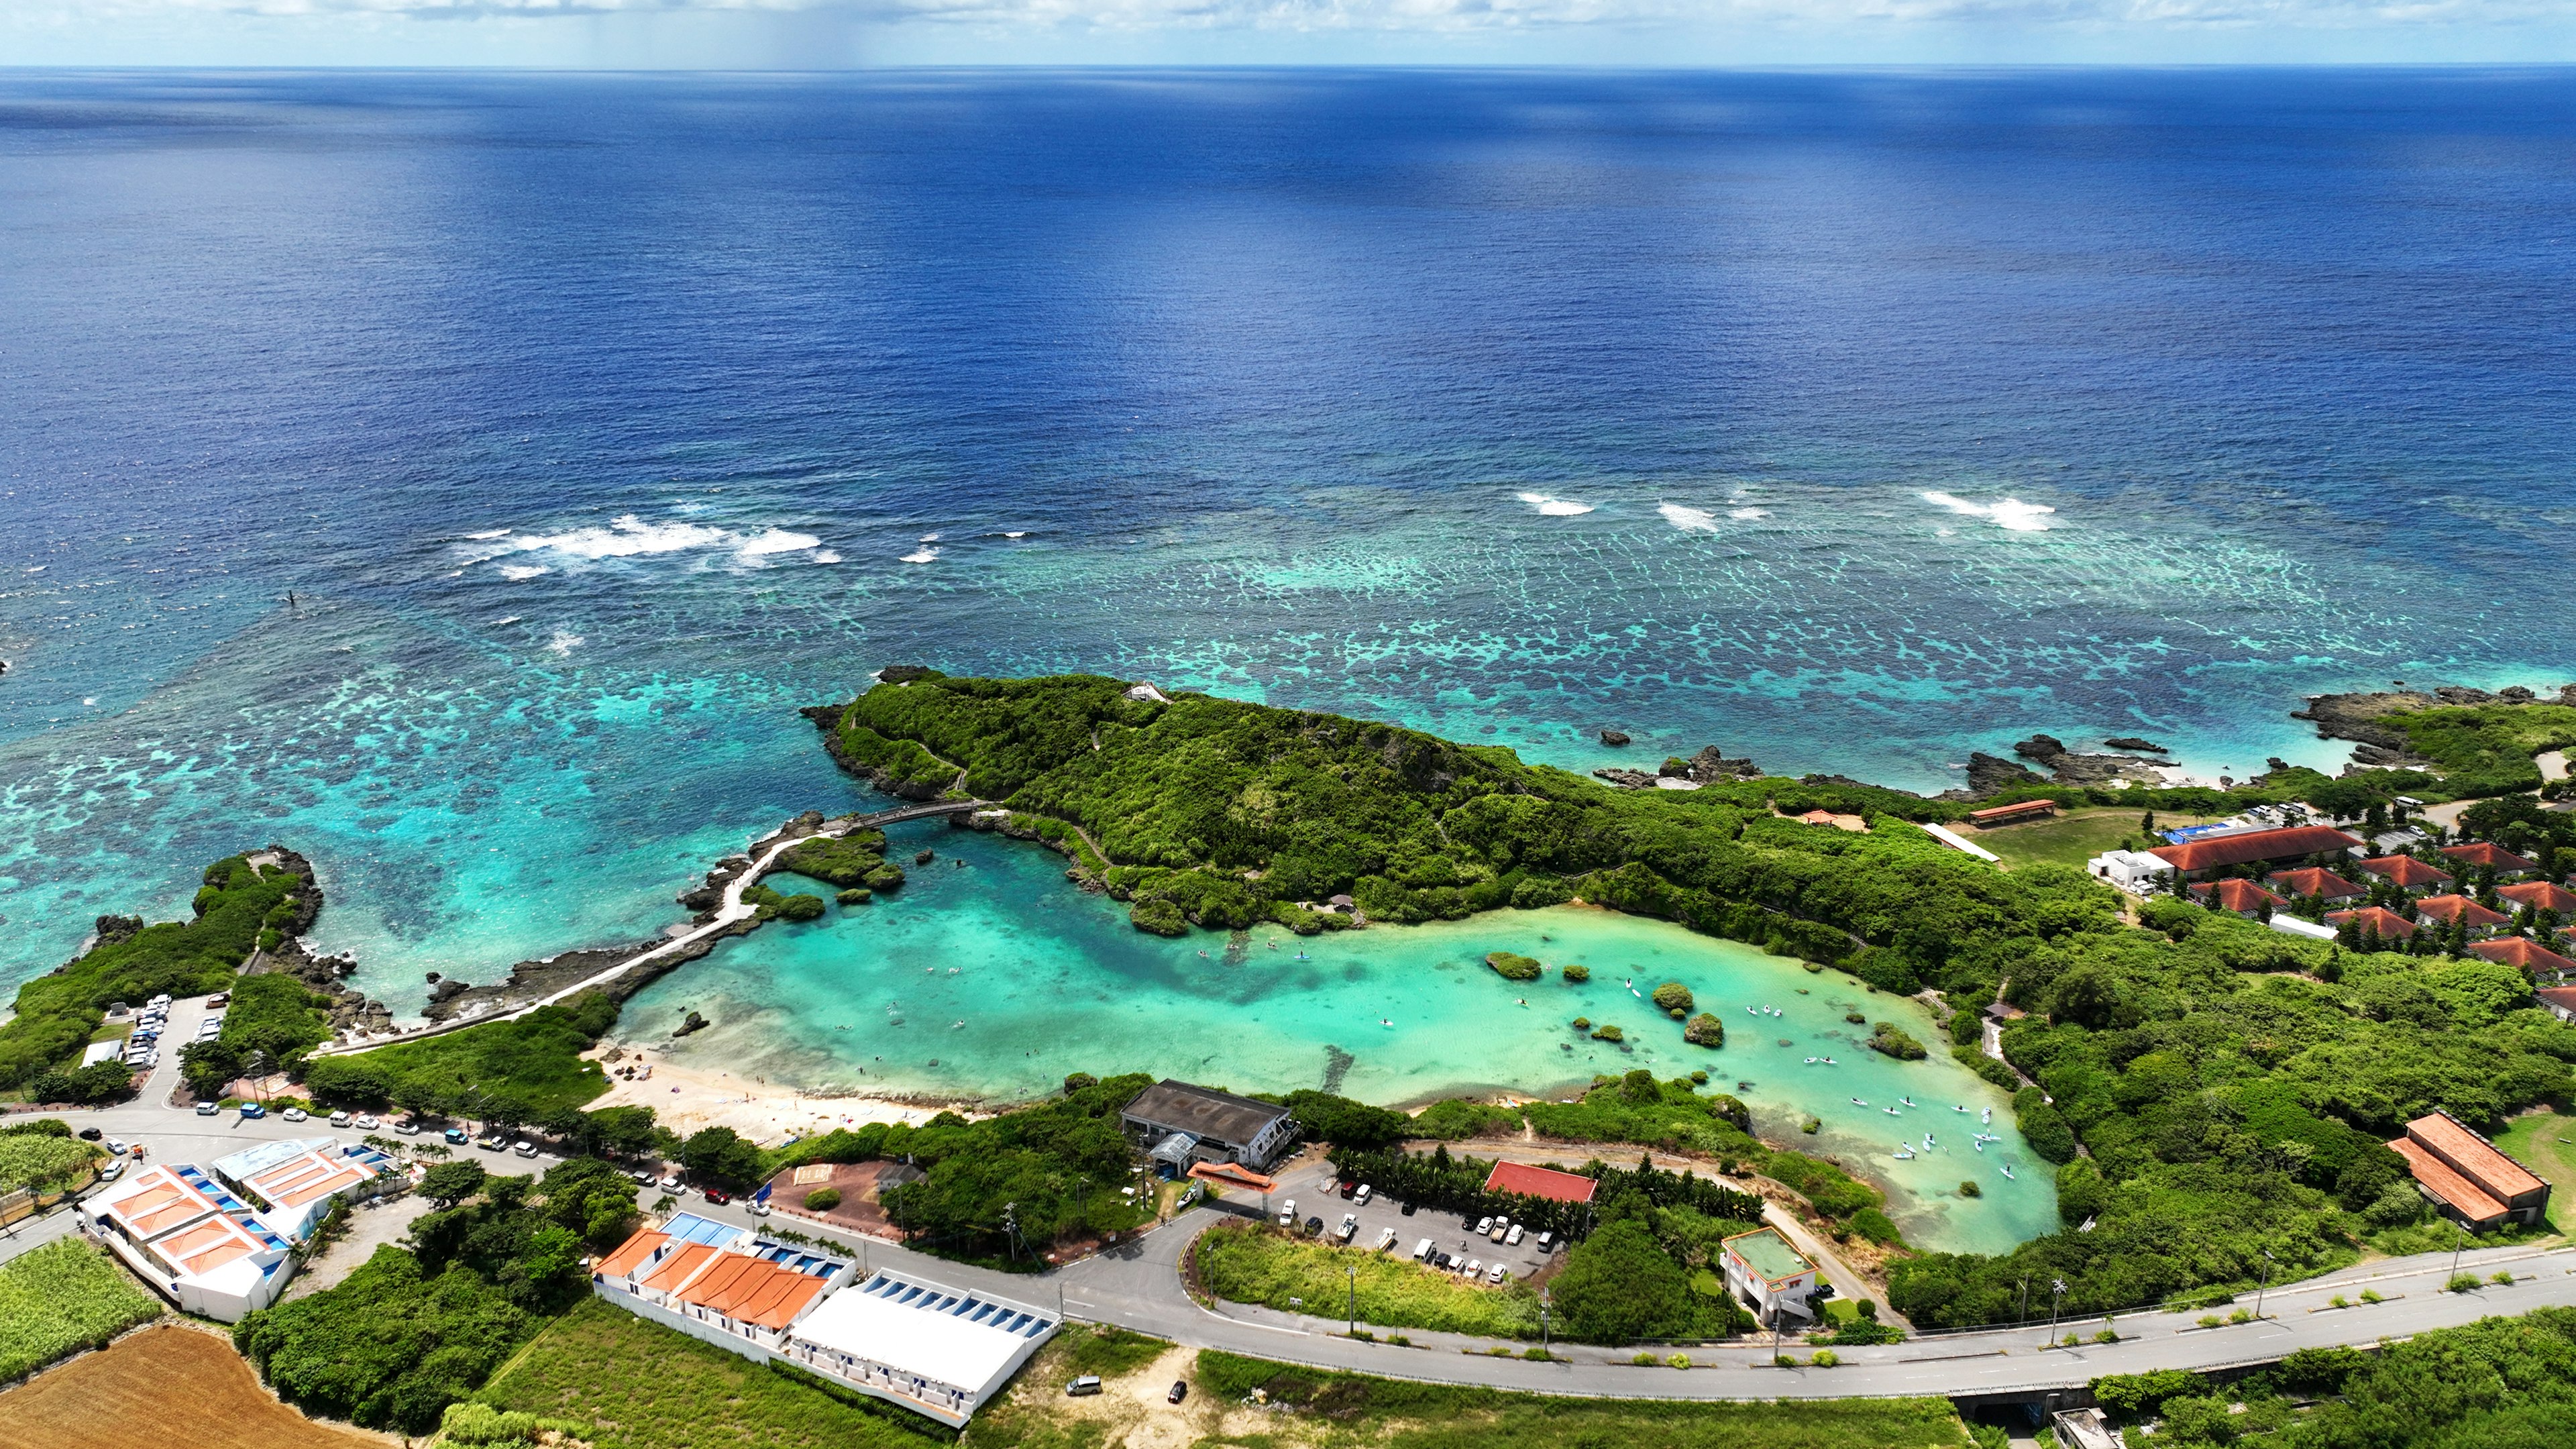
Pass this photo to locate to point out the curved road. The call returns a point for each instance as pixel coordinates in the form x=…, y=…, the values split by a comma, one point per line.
x=1137, y=1285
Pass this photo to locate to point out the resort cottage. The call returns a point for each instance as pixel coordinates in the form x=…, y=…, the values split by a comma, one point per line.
x=2217, y=852
x=1178, y=1124
x=2464, y=1175
x=216, y=1242
x=1770, y=1277
x=1544, y=1182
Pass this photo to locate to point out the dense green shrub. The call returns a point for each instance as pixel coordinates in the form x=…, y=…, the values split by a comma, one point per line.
x=1892, y=1040
x=836, y=860
x=389, y=1348
x=822, y=1199
x=60, y=1298
x=800, y=907
x=1512, y=967
x=521, y=1072
x=276, y=1016
x=1577, y=975
x=1673, y=999
x=1704, y=1030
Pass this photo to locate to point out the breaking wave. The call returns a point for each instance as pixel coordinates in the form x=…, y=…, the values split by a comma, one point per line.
x=1688, y=520
x=1553, y=506
x=2010, y=513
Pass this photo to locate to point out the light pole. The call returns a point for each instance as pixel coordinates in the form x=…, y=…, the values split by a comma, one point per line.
x=2456, y=1246
x=1353, y=1270
x=2267, y=1283
x=1542, y=1320
x=2057, y=1290
x=2021, y=1310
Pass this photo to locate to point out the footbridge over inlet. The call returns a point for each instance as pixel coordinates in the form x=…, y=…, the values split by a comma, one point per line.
x=730, y=911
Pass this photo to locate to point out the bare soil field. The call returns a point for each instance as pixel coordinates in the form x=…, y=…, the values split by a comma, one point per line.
x=170, y=1387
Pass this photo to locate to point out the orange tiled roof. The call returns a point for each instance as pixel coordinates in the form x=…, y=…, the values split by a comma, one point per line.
x=2541, y=895
x=1543, y=1182
x=633, y=1253
x=2517, y=951
x=2236, y=895
x=2481, y=852
x=752, y=1290
x=2562, y=997
x=2365, y=919
x=2309, y=880
x=2477, y=1158
x=2405, y=870
x=675, y=1269
x=2449, y=1186
x=2252, y=846
x=2459, y=908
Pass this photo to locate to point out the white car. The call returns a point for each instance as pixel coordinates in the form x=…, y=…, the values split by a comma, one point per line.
x=1422, y=1251
x=367, y=1123
x=671, y=1183
x=1512, y=1239
x=1497, y=1273
x=1350, y=1226
x=1361, y=1197
x=756, y=1209
x=339, y=1119
x=1386, y=1240
x=1474, y=1268
x=1288, y=1213
x=115, y=1148
x=109, y=1172
x=1484, y=1226
x=407, y=1128
x=295, y=1114
x=524, y=1147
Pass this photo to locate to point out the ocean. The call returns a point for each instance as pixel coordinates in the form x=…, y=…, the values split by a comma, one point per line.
x=1852, y=421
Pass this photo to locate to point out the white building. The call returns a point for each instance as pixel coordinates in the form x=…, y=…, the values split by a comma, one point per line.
x=721, y=1284
x=1768, y=1276
x=2133, y=871
x=935, y=1350
x=189, y=1237
x=291, y=1184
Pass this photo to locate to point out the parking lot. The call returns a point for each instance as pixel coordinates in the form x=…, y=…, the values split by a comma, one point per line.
x=1318, y=1195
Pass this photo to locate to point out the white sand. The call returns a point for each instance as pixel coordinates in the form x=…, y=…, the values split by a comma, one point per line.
x=686, y=1100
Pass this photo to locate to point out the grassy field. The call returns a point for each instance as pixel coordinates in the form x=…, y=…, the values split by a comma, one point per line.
x=2074, y=837
x=2545, y=1142
x=171, y=1387
x=1264, y=1266
x=1310, y=1409
x=644, y=1386
x=61, y=1298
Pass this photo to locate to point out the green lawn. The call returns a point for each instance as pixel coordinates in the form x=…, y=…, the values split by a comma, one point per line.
x=61, y=1298
x=2545, y=1142
x=643, y=1386
x=1400, y=1415
x=2074, y=837
x=1265, y=1266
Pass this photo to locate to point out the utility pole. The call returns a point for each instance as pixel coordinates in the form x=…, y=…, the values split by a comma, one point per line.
x=2058, y=1285
x=2021, y=1313
x=1353, y=1270
x=2267, y=1283
x=2456, y=1246
x=1542, y=1320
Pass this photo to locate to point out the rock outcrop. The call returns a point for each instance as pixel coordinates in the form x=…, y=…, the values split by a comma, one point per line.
x=1614, y=738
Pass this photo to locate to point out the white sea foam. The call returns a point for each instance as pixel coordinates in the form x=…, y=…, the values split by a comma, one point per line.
x=2008, y=513
x=777, y=540
x=921, y=555
x=565, y=640
x=1748, y=514
x=523, y=571
x=1688, y=520
x=1555, y=507
x=930, y=538
x=827, y=556
x=489, y=533
x=1023, y=533
x=505, y=619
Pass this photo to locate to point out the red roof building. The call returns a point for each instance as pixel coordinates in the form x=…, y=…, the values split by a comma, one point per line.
x=2385, y=923
x=2309, y=880
x=2465, y=1174
x=2447, y=909
x=1544, y=1182
x=2243, y=897
x=2194, y=856
x=2542, y=895
x=2558, y=1001
x=2405, y=870
x=2484, y=853
x=2013, y=813
x=2515, y=951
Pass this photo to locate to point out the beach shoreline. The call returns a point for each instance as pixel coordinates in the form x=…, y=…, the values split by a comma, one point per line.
x=691, y=1099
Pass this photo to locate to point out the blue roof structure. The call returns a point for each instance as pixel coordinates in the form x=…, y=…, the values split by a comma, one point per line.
x=690, y=1228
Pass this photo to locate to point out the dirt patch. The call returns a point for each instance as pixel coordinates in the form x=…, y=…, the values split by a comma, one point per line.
x=860, y=1184
x=1131, y=1408
x=371, y=1226
x=172, y=1387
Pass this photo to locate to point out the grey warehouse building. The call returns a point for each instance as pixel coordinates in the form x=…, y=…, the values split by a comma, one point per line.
x=1180, y=1124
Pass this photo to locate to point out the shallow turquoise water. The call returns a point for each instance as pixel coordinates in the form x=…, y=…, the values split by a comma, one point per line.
x=996, y=978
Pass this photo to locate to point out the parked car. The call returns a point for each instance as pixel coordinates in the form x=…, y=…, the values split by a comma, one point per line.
x=643, y=1176
x=1475, y=1269
x=719, y=1196
x=1497, y=1273
x=455, y=1136
x=367, y=1123
x=524, y=1147
x=756, y=1209
x=207, y=1109
x=340, y=1119
x=1442, y=1261
x=671, y=1183
x=296, y=1114
x=1484, y=1226
x=1422, y=1251
x=1180, y=1391
x=1083, y=1387
x=1350, y=1225
x=89, y=1134
x=406, y=1128
x=1512, y=1239
x=1350, y=1188
x=217, y=1001
x=1314, y=1227
x=1386, y=1240
x=1502, y=1229
x=490, y=1143
x=1362, y=1196
x=115, y=1165
x=1546, y=1244
x=1407, y=1209
x=115, y=1147
x=252, y=1111
x=1288, y=1213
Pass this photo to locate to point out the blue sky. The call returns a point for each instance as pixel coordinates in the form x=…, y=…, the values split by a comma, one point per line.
x=829, y=34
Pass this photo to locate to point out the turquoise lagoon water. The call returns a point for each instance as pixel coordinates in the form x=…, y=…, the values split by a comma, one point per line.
x=996, y=979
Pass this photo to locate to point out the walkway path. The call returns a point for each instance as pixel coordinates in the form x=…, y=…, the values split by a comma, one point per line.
x=729, y=911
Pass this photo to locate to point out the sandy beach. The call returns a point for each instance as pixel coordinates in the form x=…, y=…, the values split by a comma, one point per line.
x=685, y=1100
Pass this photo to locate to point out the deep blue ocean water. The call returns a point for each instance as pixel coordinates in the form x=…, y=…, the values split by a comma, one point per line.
x=594, y=420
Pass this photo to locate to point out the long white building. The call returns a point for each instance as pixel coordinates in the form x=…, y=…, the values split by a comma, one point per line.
x=215, y=1242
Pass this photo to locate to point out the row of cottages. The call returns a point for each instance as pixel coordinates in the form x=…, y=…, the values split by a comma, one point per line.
x=937, y=1350
x=216, y=1241
x=2472, y=1181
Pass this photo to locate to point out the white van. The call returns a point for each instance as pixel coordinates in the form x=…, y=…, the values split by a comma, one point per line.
x=1360, y=1198
x=1422, y=1251
x=1288, y=1213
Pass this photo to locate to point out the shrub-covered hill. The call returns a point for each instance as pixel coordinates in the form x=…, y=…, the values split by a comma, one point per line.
x=1230, y=813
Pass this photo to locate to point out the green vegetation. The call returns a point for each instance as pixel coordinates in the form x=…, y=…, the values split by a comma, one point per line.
x=801, y=907
x=2077, y=836
x=1892, y=1040
x=1577, y=975
x=638, y=1385
x=1404, y=1415
x=58, y=1013
x=60, y=1299
x=1512, y=967
x=822, y=1199
x=2486, y=749
x=843, y=861
x=45, y=1161
x=519, y=1071
x=276, y=1016
x=1704, y=1030
x=2545, y=1141
x=1673, y=999
x=1111, y=1352
x=1247, y=1264
x=855, y=896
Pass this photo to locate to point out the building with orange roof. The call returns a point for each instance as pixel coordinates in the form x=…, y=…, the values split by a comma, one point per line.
x=2217, y=852
x=2490, y=856
x=2519, y=951
x=2542, y=895
x=2243, y=897
x=2558, y=1001
x=2447, y=909
x=716, y=1282
x=2310, y=880
x=2407, y=871
x=1544, y=1182
x=192, y=1239
x=2380, y=921
x=2465, y=1175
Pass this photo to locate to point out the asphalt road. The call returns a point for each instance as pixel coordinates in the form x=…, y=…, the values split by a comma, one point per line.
x=1137, y=1285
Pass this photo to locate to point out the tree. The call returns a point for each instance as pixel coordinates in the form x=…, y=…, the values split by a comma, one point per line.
x=592, y=1199
x=1618, y=1286
x=622, y=1131
x=720, y=1157
x=208, y=1067
x=1345, y=1123
x=450, y=1183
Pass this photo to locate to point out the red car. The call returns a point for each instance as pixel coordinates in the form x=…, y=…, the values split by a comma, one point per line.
x=1350, y=1185
x=719, y=1196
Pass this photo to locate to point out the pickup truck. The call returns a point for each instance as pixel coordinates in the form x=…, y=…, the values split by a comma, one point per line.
x=1350, y=1227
